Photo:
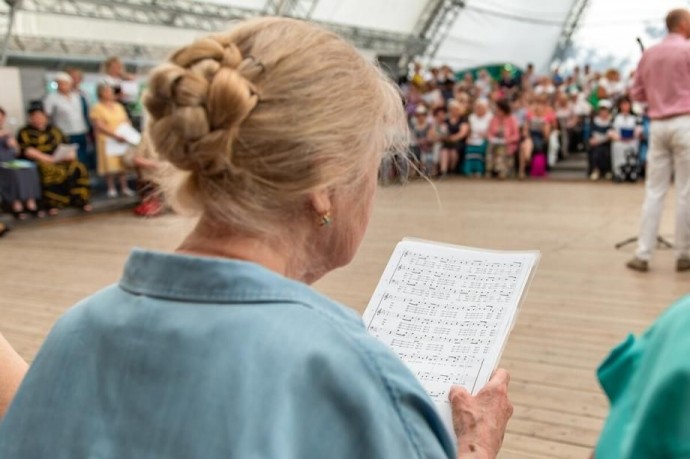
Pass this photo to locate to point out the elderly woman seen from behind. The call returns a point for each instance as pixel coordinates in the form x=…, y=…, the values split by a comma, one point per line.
x=221, y=349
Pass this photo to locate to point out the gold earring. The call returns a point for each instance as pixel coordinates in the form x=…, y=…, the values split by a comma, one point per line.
x=326, y=219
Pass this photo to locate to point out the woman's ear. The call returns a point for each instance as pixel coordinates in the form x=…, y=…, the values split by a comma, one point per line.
x=321, y=201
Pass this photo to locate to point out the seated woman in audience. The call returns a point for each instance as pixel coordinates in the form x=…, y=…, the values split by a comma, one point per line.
x=475, y=152
x=504, y=137
x=439, y=136
x=519, y=108
x=483, y=84
x=20, y=185
x=600, y=143
x=612, y=83
x=222, y=349
x=538, y=125
x=571, y=85
x=625, y=146
x=107, y=116
x=545, y=88
x=458, y=130
x=65, y=181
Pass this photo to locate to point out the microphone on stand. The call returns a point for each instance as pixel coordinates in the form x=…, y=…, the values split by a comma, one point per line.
x=639, y=42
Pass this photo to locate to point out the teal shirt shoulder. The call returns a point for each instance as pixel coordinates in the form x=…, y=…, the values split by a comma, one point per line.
x=191, y=357
x=647, y=381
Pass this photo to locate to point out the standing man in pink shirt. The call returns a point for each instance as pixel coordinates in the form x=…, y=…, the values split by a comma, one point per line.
x=663, y=82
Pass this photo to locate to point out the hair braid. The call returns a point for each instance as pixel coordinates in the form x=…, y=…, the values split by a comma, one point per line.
x=197, y=103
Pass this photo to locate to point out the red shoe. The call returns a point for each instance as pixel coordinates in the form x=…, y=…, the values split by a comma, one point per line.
x=149, y=208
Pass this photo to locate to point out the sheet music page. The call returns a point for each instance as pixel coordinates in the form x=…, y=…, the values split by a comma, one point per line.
x=447, y=311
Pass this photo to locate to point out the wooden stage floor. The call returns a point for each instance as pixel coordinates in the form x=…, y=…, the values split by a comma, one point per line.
x=582, y=302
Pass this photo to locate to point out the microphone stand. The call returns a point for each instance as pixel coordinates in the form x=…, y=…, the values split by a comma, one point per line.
x=661, y=243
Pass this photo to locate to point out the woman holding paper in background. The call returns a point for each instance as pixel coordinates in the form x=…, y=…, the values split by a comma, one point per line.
x=107, y=116
x=222, y=349
x=65, y=181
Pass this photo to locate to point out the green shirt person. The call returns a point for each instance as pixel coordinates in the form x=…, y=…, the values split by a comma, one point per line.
x=647, y=380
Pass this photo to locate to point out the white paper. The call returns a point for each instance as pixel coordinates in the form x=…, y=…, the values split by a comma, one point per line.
x=65, y=152
x=115, y=148
x=127, y=132
x=447, y=311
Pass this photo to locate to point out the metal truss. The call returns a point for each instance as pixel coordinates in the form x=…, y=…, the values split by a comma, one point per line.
x=435, y=23
x=8, y=14
x=186, y=14
x=200, y=15
x=47, y=49
x=302, y=9
x=570, y=26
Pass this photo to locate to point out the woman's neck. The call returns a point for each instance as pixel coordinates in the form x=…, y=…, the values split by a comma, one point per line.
x=209, y=241
x=235, y=248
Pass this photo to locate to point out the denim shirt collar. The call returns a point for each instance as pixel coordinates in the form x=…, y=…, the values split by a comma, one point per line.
x=196, y=279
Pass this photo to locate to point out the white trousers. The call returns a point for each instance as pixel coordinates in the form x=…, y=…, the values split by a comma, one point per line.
x=669, y=155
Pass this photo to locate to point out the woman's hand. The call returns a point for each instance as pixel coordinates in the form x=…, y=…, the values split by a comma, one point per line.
x=480, y=421
x=12, y=371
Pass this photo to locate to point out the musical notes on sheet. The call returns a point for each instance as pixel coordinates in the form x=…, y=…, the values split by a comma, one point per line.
x=446, y=311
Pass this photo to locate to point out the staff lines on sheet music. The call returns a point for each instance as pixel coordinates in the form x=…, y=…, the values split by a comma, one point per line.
x=442, y=315
x=438, y=278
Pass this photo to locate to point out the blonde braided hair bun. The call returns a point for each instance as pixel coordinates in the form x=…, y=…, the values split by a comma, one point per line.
x=197, y=103
x=253, y=120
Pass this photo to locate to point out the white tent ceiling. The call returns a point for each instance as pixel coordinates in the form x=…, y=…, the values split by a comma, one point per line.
x=486, y=31
x=391, y=15
x=498, y=31
x=607, y=35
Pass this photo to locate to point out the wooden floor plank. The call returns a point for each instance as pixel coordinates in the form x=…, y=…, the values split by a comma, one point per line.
x=582, y=302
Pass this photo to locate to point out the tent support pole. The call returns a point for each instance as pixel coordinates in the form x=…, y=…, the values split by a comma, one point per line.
x=8, y=33
x=572, y=22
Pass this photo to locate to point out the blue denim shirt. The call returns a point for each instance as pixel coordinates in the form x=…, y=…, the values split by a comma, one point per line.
x=192, y=357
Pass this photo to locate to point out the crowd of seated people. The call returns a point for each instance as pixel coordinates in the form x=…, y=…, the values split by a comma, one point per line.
x=522, y=124
x=45, y=166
